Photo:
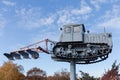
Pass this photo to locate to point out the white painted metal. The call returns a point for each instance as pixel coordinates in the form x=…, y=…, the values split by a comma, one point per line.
x=72, y=70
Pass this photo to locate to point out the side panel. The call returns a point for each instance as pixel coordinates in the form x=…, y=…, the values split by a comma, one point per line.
x=66, y=35
x=78, y=33
x=77, y=37
x=98, y=38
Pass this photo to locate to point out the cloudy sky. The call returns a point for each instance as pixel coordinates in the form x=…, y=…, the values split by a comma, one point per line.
x=23, y=22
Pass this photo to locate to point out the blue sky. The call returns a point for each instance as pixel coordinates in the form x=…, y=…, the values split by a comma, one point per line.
x=23, y=22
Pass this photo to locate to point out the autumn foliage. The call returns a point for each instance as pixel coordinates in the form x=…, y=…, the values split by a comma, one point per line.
x=10, y=71
x=62, y=75
x=112, y=74
x=86, y=76
x=36, y=74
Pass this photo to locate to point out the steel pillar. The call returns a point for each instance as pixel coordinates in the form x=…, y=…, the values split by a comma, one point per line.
x=72, y=70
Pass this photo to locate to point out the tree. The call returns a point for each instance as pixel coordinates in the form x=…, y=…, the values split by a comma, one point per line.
x=10, y=71
x=112, y=74
x=63, y=75
x=86, y=76
x=36, y=74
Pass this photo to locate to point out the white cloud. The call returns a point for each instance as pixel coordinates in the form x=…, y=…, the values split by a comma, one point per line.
x=64, y=17
x=111, y=18
x=84, y=9
x=113, y=1
x=8, y=3
x=74, y=15
x=2, y=24
x=113, y=23
x=46, y=21
x=97, y=3
x=37, y=23
x=32, y=18
x=3, y=10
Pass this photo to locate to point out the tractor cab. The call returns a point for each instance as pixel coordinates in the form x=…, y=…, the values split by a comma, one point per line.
x=72, y=33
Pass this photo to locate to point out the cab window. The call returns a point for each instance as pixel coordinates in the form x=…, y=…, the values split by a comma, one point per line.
x=68, y=29
x=76, y=29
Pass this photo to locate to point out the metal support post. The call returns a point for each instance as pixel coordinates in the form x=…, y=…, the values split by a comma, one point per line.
x=72, y=70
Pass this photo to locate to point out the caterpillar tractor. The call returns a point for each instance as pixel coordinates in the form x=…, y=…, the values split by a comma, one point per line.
x=83, y=47
x=75, y=43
